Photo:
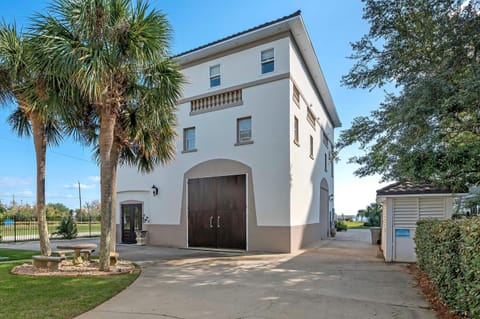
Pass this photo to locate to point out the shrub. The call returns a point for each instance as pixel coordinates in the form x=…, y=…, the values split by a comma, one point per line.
x=449, y=253
x=67, y=228
x=340, y=226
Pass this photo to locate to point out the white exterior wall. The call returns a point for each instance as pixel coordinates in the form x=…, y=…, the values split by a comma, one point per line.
x=236, y=68
x=402, y=213
x=307, y=174
x=268, y=106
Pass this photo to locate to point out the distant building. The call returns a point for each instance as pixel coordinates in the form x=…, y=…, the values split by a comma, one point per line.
x=254, y=168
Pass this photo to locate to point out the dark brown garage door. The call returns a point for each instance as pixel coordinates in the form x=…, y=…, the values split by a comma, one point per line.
x=216, y=212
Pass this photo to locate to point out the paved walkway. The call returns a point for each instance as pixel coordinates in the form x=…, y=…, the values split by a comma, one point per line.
x=340, y=278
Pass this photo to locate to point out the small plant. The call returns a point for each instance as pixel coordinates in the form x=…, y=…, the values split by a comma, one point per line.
x=340, y=226
x=67, y=228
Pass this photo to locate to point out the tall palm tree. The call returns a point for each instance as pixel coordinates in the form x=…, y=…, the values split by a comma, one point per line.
x=21, y=82
x=114, y=51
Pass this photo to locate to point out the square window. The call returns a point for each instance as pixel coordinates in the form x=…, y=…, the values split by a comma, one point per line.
x=268, y=61
x=189, y=139
x=244, y=130
x=215, y=75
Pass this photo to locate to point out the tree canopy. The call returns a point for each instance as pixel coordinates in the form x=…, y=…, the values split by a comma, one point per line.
x=430, y=130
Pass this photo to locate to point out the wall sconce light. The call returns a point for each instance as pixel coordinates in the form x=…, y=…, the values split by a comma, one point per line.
x=155, y=190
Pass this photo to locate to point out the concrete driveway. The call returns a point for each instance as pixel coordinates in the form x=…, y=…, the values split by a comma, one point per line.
x=340, y=278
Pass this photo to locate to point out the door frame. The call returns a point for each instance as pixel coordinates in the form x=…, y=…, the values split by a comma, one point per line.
x=246, y=204
x=129, y=202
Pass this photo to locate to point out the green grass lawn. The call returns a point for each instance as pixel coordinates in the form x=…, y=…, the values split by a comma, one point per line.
x=53, y=297
x=17, y=254
x=355, y=225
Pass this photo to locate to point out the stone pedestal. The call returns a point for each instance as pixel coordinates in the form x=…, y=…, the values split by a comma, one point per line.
x=375, y=235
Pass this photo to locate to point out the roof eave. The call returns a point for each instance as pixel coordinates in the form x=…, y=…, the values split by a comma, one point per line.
x=294, y=24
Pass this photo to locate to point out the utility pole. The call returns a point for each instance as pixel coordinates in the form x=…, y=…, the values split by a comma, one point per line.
x=80, y=197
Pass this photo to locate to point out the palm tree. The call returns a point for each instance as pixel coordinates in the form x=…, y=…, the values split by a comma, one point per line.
x=21, y=82
x=116, y=53
x=374, y=214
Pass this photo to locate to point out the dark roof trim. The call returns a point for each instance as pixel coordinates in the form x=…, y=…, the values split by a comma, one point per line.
x=261, y=26
x=408, y=188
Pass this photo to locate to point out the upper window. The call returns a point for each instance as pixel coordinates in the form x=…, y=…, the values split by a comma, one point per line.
x=268, y=61
x=244, y=130
x=295, y=130
x=189, y=139
x=215, y=75
x=310, y=117
x=296, y=95
x=326, y=162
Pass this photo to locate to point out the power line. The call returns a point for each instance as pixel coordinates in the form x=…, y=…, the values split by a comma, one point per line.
x=52, y=151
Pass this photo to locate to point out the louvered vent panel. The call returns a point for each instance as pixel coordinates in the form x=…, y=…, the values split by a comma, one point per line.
x=432, y=207
x=405, y=212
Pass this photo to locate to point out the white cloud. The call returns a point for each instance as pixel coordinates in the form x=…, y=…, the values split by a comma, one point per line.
x=12, y=181
x=94, y=178
x=82, y=186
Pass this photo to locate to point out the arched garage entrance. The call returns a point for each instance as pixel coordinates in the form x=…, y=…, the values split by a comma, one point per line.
x=217, y=204
x=324, y=210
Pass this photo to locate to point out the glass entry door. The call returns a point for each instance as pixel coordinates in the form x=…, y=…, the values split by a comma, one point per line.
x=131, y=222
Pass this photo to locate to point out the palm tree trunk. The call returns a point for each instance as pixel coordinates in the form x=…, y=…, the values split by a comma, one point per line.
x=40, y=142
x=107, y=125
x=114, y=161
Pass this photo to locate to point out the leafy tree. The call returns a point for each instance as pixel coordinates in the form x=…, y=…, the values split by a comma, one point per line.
x=57, y=210
x=22, y=82
x=116, y=54
x=428, y=131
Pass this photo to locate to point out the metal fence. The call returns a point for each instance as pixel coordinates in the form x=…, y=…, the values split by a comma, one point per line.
x=20, y=228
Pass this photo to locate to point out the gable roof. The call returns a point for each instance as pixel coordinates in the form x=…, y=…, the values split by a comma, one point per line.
x=293, y=24
x=408, y=188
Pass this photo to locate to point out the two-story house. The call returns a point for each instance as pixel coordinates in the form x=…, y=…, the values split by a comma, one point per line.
x=253, y=169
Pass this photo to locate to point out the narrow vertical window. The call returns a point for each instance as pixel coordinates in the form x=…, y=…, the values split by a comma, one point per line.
x=244, y=130
x=311, y=147
x=268, y=61
x=295, y=130
x=326, y=162
x=296, y=95
x=189, y=139
x=215, y=75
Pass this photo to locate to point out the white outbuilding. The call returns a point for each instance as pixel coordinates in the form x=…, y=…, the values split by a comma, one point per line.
x=404, y=204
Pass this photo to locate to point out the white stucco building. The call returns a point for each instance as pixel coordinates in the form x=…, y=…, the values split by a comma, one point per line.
x=253, y=169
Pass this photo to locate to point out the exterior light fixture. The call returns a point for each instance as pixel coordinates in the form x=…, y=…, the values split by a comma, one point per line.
x=155, y=190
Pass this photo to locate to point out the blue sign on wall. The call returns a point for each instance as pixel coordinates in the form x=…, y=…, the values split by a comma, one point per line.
x=8, y=222
x=402, y=232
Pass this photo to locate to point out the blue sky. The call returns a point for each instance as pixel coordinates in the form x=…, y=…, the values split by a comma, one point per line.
x=332, y=25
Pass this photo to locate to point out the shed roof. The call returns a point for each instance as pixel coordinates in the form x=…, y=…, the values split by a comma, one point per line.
x=409, y=188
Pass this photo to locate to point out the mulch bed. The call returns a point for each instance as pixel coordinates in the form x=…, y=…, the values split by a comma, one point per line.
x=67, y=268
x=430, y=293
